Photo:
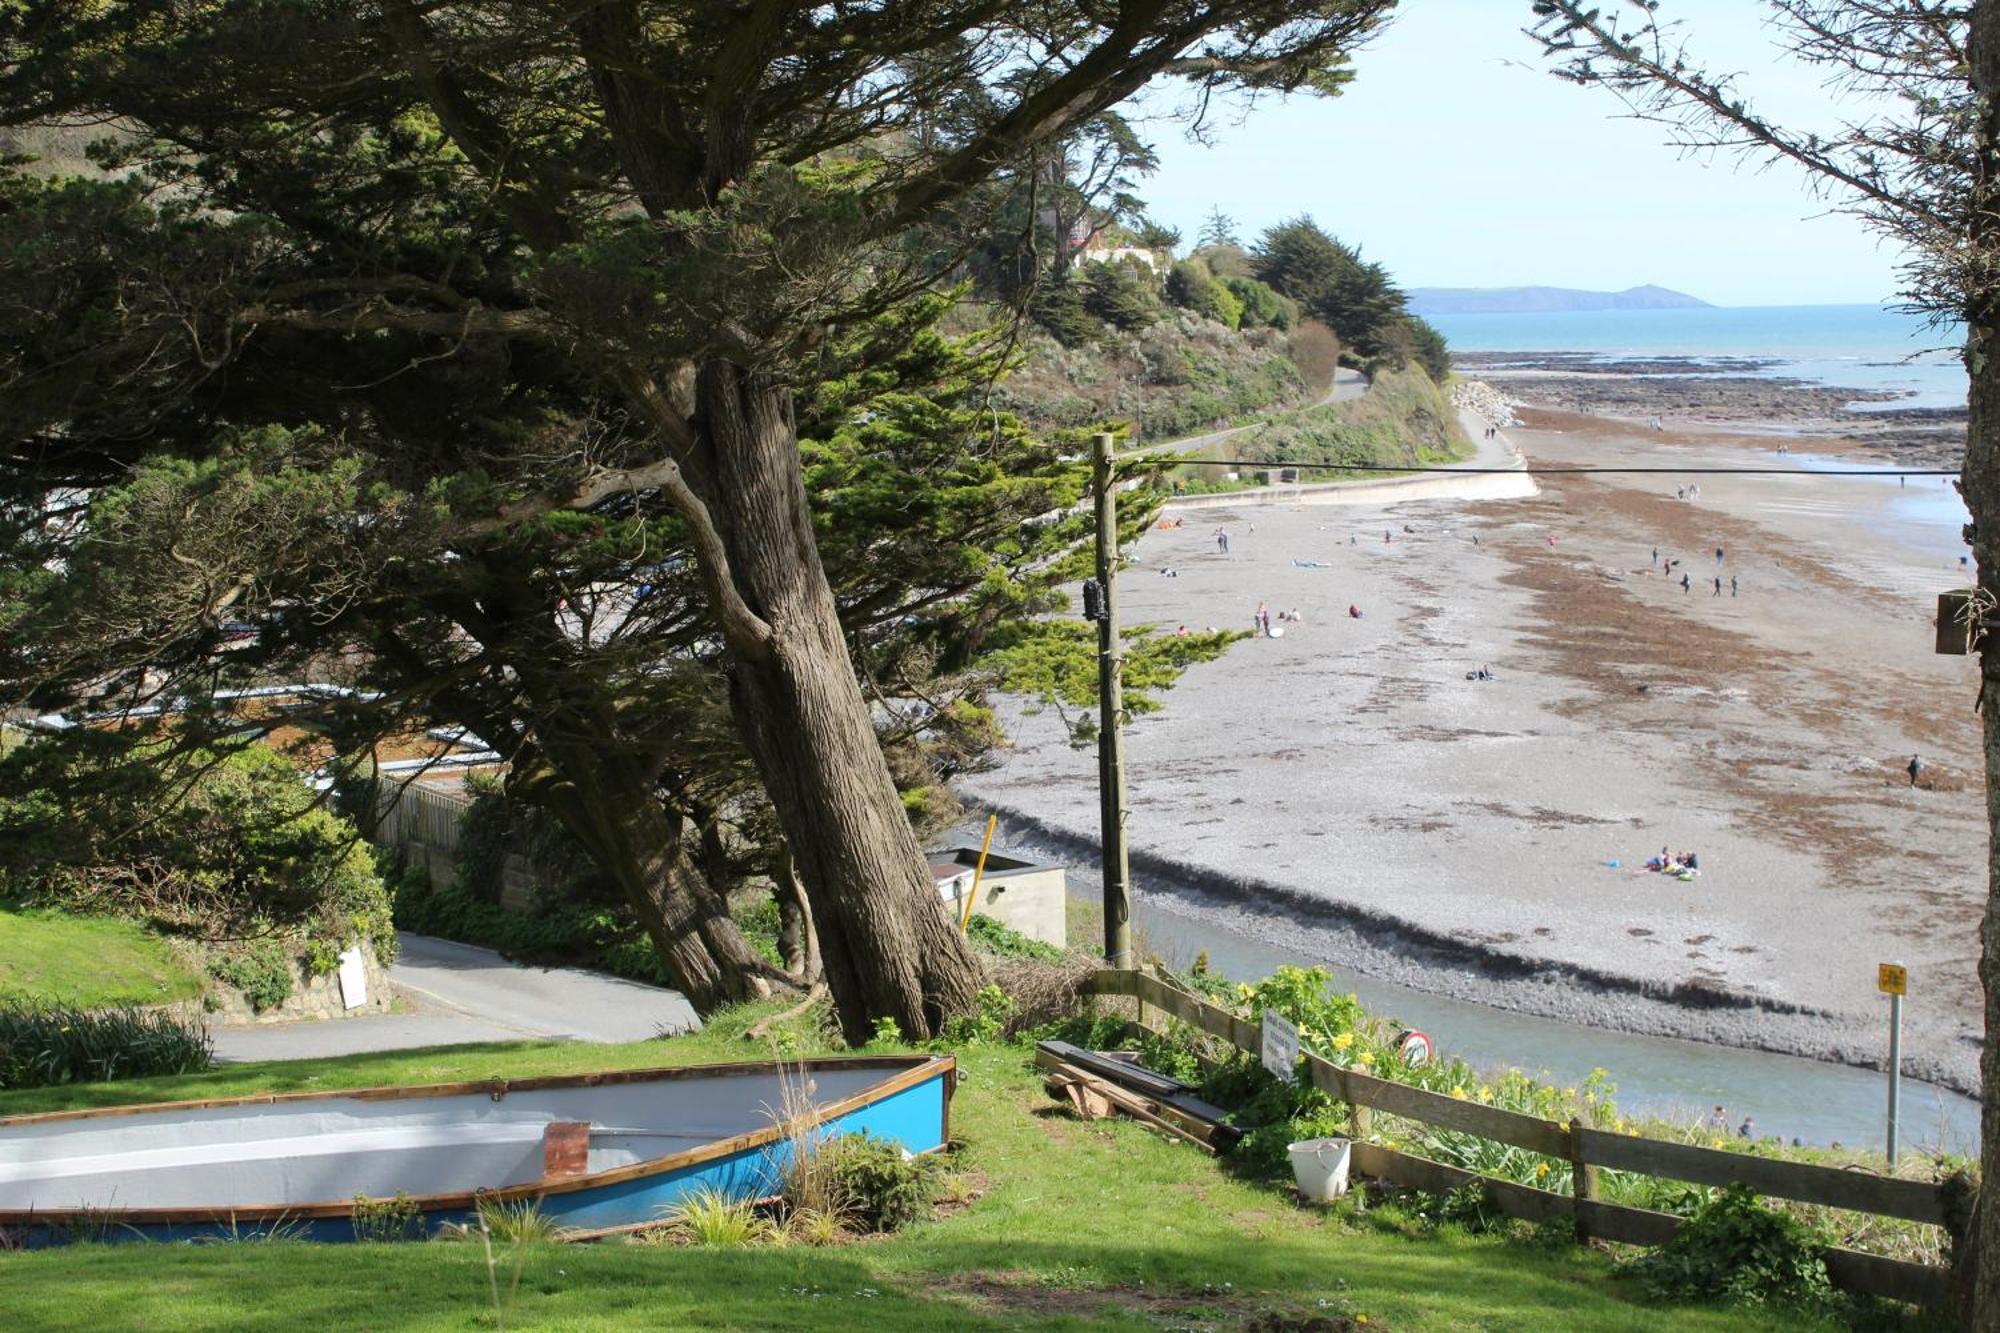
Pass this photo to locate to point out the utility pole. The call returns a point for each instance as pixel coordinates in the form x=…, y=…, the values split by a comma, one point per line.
x=1111, y=709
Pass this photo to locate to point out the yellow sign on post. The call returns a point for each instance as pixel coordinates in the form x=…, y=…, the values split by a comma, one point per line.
x=1892, y=978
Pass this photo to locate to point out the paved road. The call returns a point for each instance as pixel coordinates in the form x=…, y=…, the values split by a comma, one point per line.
x=456, y=993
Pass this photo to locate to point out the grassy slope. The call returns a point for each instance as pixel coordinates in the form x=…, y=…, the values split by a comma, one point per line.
x=1100, y=1225
x=88, y=961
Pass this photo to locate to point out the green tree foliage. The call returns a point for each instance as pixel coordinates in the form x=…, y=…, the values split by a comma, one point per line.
x=1191, y=287
x=1218, y=228
x=1122, y=295
x=245, y=850
x=1332, y=282
x=553, y=289
x=1262, y=306
x=1428, y=348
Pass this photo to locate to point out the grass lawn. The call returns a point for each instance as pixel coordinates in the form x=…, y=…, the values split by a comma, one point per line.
x=1079, y=1225
x=90, y=962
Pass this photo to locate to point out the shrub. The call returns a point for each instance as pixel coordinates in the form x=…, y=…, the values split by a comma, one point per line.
x=986, y=1023
x=1261, y=304
x=1192, y=287
x=884, y=1186
x=1006, y=942
x=261, y=969
x=383, y=1220
x=220, y=843
x=710, y=1217
x=1736, y=1249
x=47, y=1045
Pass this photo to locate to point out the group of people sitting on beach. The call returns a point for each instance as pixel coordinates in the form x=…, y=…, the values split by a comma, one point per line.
x=1682, y=865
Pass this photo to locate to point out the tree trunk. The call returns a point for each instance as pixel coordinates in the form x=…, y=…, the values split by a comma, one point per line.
x=609, y=806
x=798, y=942
x=887, y=949
x=1978, y=1257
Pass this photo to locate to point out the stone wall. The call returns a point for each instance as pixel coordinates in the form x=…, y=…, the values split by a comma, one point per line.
x=311, y=998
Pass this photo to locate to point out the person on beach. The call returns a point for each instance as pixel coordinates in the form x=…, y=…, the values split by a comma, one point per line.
x=1916, y=767
x=1685, y=584
x=1353, y=612
x=1718, y=586
x=1387, y=536
x=1222, y=541
x=1680, y=492
x=1718, y=555
x=1748, y=1129
x=1656, y=557
x=1732, y=585
x=1718, y=1118
x=1262, y=620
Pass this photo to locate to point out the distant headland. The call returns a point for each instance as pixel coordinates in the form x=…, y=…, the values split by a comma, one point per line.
x=1526, y=300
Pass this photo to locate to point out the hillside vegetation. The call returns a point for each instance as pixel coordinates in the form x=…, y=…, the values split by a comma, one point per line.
x=1404, y=419
x=1181, y=375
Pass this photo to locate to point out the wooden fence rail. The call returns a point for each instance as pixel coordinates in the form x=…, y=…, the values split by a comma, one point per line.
x=1585, y=1149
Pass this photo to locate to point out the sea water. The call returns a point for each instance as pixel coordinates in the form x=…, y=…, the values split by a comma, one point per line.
x=1845, y=346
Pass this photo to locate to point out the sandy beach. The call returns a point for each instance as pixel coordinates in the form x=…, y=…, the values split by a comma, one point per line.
x=1347, y=789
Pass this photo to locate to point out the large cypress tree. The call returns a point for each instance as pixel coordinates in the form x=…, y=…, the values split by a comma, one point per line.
x=626, y=228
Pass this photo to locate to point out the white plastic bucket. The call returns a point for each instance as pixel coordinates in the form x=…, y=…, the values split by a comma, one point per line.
x=1320, y=1167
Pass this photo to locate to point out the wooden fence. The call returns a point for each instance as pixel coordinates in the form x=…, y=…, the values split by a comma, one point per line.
x=1587, y=1150
x=413, y=814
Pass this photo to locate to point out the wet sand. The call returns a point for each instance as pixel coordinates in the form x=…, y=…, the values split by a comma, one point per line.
x=1346, y=789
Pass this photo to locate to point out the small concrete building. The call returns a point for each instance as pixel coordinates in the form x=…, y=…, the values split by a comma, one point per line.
x=1024, y=895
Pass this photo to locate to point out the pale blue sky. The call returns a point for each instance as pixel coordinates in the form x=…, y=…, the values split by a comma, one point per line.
x=1456, y=160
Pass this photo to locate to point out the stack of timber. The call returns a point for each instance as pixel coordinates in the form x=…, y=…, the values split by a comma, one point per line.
x=1098, y=1083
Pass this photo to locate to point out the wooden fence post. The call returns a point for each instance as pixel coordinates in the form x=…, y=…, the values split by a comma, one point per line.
x=1582, y=1176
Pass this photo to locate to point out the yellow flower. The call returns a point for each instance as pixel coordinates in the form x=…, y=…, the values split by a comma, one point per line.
x=1541, y=1170
x=1343, y=1041
x=1485, y=1095
x=1715, y=1143
x=1242, y=990
x=1459, y=1092
x=1364, y=1059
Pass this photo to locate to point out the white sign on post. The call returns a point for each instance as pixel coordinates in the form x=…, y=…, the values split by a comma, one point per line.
x=1281, y=1046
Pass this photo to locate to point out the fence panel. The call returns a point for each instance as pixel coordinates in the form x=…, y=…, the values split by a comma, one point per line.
x=1850, y=1270
x=1916, y=1200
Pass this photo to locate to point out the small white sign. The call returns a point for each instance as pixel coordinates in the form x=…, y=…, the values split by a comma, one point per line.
x=353, y=979
x=1281, y=1046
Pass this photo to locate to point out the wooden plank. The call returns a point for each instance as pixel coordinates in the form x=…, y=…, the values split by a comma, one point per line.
x=1916, y=1200
x=1894, y=1279
x=1468, y=1117
x=1582, y=1175
x=1625, y=1224
x=1110, y=981
x=1413, y=1172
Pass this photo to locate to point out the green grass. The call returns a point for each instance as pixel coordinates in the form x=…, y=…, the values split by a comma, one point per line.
x=1080, y=1225
x=88, y=962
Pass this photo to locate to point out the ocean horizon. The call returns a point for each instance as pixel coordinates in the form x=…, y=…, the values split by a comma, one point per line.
x=1870, y=347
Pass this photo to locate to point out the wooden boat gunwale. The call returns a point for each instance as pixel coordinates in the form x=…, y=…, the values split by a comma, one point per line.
x=910, y=1071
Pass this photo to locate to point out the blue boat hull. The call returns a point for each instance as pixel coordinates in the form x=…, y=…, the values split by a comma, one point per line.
x=912, y=1110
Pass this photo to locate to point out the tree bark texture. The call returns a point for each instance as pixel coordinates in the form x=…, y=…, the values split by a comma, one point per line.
x=606, y=802
x=1977, y=1278
x=884, y=941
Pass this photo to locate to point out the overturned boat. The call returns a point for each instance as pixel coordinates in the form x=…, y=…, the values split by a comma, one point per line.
x=590, y=1150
